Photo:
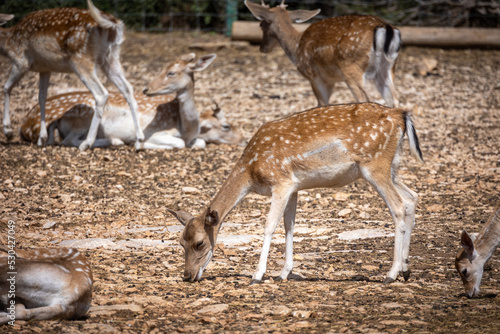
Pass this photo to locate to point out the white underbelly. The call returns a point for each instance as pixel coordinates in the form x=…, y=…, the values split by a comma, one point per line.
x=335, y=176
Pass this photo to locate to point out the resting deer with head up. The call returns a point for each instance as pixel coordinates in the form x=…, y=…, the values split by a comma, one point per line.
x=350, y=48
x=474, y=254
x=68, y=40
x=162, y=117
x=52, y=283
x=329, y=146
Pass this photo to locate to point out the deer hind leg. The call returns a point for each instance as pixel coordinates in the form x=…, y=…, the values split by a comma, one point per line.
x=355, y=81
x=322, y=91
x=402, y=209
x=114, y=72
x=279, y=202
x=410, y=204
x=163, y=141
x=15, y=75
x=384, y=81
x=85, y=70
x=42, y=97
x=39, y=313
x=289, y=219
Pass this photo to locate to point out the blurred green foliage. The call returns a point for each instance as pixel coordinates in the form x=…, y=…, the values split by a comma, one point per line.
x=210, y=15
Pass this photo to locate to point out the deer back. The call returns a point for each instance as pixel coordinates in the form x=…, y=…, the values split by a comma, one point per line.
x=336, y=43
x=52, y=36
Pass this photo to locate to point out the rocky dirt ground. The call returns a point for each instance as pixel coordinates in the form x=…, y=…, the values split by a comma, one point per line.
x=111, y=203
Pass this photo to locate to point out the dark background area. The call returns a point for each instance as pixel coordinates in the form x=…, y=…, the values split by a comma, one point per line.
x=215, y=16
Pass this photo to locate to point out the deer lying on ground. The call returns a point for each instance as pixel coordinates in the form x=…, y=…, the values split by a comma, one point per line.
x=68, y=40
x=475, y=253
x=162, y=117
x=329, y=146
x=43, y=284
x=351, y=48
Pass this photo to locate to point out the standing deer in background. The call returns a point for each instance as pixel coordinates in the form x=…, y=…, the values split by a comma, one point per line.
x=351, y=48
x=68, y=40
x=52, y=283
x=475, y=253
x=328, y=146
x=168, y=120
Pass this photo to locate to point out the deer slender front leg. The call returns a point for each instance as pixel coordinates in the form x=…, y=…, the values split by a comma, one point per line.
x=279, y=201
x=42, y=98
x=15, y=75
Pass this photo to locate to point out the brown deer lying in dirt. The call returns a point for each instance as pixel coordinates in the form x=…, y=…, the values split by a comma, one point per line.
x=42, y=284
x=329, y=146
x=350, y=48
x=476, y=252
x=168, y=117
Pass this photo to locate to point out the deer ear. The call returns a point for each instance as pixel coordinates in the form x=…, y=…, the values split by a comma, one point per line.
x=189, y=57
x=300, y=16
x=259, y=11
x=212, y=218
x=203, y=62
x=182, y=217
x=4, y=18
x=467, y=243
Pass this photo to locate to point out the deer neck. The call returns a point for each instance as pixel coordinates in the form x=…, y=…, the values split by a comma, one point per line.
x=489, y=238
x=289, y=39
x=234, y=189
x=188, y=115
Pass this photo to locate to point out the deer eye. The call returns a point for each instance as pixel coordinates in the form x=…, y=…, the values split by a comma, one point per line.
x=199, y=244
x=170, y=74
x=464, y=272
x=226, y=127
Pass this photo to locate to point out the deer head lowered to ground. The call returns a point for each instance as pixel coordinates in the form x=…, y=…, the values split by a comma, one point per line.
x=52, y=283
x=168, y=120
x=68, y=40
x=475, y=253
x=350, y=48
x=329, y=146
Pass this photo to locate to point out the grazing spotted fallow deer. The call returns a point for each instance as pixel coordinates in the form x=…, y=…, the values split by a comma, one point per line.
x=68, y=40
x=329, y=146
x=474, y=254
x=351, y=48
x=160, y=117
x=43, y=284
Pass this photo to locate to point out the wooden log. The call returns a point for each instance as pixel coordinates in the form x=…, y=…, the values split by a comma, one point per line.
x=421, y=36
x=450, y=37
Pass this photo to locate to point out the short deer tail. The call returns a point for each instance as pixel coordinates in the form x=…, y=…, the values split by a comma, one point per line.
x=388, y=39
x=412, y=137
x=107, y=22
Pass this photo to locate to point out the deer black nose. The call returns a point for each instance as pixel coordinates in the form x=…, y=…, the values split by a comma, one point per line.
x=187, y=277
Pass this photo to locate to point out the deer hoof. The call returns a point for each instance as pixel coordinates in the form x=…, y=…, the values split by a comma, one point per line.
x=139, y=145
x=84, y=146
x=388, y=280
x=7, y=130
x=254, y=282
x=406, y=275
x=42, y=141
